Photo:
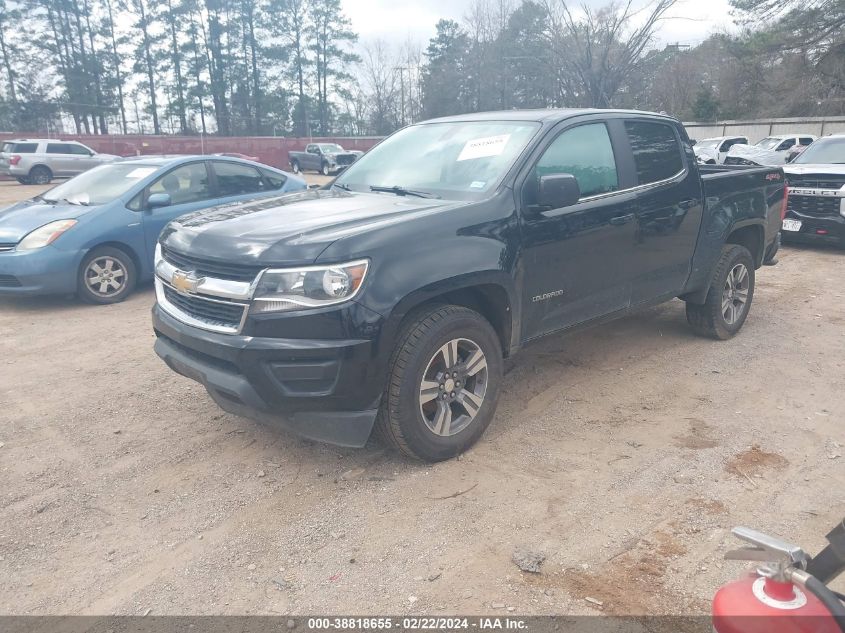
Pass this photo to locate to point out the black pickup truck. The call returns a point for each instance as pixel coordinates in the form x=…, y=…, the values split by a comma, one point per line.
x=391, y=297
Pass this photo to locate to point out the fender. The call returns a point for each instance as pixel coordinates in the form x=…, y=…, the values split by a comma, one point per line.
x=704, y=268
x=461, y=290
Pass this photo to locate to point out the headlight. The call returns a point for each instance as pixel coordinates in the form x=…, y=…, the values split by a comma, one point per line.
x=312, y=287
x=44, y=235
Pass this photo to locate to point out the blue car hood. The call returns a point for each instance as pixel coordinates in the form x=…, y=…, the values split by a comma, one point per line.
x=26, y=216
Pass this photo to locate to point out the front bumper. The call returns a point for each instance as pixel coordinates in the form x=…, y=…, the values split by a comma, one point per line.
x=323, y=389
x=41, y=271
x=830, y=229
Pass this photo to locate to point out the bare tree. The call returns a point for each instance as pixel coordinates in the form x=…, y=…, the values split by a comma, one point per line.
x=600, y=48
x=380, y=79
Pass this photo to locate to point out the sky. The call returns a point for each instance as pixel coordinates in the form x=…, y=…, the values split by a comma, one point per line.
x=395, y=21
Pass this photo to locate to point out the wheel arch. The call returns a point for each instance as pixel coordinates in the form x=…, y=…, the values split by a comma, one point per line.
x=121, y=246
x=488, y=294
x=37, y=165
x=751, y=236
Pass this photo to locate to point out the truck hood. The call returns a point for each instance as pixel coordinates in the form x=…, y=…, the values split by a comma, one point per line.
x=765, y=157
x=291, y=229
x=26, y=216
x=809, y=168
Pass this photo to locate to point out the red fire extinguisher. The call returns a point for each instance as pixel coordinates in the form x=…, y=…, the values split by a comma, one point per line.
x=782, y=595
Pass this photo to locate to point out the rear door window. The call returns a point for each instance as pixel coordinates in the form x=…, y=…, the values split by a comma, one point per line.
x=235, y=180
x=657, y=151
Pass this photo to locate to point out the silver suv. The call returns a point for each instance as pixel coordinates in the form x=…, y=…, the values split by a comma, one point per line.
x=36, y=161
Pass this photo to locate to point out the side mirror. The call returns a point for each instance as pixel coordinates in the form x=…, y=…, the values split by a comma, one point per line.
x=157, y=200
x=791, y=158
x=692, y=141
x=558, y=190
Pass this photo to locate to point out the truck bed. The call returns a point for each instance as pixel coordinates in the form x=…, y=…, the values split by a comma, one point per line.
x=735, y=195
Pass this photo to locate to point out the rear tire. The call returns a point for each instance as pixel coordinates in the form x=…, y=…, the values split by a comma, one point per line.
x=106, y=275
x=729, y=297
x=443, y=383
x=40, y=175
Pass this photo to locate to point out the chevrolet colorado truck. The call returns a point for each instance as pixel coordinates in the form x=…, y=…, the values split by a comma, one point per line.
x=390, y=297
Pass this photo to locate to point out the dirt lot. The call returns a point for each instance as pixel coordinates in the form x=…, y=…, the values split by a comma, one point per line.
x=624, y=454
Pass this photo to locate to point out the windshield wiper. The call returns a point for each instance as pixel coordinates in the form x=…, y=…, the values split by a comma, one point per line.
x=341, y=186
x=401, y=191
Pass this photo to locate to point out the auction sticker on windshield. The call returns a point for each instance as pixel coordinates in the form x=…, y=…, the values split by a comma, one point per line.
x=484, y=147
x=792, y=225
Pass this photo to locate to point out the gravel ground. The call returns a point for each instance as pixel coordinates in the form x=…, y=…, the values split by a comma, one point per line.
x=621, y=456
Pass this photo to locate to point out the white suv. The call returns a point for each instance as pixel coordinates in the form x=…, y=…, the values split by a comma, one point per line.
x=37, y=161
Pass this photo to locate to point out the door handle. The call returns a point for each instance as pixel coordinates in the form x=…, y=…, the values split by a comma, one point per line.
x=619, y=220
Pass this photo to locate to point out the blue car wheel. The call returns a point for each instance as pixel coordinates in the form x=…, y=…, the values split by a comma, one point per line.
x=106, y=275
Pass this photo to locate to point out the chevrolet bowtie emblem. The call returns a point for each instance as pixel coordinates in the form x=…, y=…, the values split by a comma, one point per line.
x=184, y=282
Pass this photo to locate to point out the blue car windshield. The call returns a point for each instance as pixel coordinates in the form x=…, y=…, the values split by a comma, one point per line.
x=460, y=160
x=101, y=184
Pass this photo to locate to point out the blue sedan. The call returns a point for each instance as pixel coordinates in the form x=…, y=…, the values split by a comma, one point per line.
x=95, y=235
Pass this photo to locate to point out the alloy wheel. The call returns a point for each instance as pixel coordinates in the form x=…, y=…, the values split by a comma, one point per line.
x=453, y=387
x=735, y=294
x=106, y=276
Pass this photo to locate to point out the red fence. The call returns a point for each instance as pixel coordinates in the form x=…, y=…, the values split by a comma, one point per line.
x=270, y=150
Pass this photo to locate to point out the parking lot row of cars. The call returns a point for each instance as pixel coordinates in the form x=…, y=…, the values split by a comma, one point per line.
x=815, y=170
x=37, y=161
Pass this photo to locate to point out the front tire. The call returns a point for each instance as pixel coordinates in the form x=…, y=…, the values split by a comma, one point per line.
x=40, y=175
x=443, y=383
x=23, y=180
x=325, y=169
x=729, y=297
x=295, y=167
x=106, y=275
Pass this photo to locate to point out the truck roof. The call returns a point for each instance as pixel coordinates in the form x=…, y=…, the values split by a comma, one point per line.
x=549, y=115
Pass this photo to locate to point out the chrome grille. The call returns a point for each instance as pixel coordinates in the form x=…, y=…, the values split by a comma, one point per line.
x=814, y=205
x=204, y=312
x=7, y=246
x=208, y=268
x=816, y=182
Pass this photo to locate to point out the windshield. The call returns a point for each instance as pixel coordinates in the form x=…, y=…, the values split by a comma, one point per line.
x=330, y=148
x=463, y=160
x=708, y=144
x=101, y=184
x=826, y=151
x=769, y=143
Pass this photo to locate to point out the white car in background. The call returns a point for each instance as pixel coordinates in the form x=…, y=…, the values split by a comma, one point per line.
x=771, y=151
x=712, y=151
x=37, y=161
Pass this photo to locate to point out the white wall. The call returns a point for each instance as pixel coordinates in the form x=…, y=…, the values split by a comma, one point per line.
x=756, y=130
